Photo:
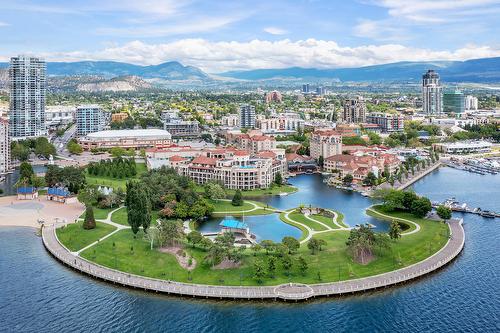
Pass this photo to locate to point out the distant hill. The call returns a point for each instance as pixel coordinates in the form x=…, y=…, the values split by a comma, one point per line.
x=117, y=84
x=172, y=70
x=477, y=70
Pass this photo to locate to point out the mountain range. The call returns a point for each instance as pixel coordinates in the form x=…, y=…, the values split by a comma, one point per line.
x=476, y=70
x=485, y=70
x=171, y=70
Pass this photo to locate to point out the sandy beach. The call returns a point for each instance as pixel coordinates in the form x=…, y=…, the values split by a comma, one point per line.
x=28, y=213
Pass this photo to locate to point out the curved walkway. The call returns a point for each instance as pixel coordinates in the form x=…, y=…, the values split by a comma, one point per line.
x=291, y=291
x=255, y=207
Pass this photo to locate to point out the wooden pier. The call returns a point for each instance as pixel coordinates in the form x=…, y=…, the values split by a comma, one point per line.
x=289, y=291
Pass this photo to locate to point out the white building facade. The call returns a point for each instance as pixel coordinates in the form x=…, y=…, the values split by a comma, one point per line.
x=27, y=85
x=432, y=93
x=4, y=145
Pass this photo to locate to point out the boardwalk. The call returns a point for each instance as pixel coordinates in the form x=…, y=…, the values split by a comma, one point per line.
x=418, y=176
x=293, y=291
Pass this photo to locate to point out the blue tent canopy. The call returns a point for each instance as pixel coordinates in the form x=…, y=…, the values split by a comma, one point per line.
x=59, y=191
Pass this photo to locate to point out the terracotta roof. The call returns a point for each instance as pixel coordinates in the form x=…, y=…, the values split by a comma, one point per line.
x=267, y=154
x=177, y=158
x=204, y=160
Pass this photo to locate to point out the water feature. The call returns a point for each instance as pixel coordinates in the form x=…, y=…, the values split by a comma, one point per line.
x=262, y=226
x=38, y=294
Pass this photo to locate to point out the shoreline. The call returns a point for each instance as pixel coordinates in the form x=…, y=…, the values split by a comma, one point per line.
x=284, y=292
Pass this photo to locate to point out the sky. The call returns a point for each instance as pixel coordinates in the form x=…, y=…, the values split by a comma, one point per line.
x=222, y=35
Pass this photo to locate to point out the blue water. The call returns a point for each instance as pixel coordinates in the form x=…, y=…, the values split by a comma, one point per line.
x=37, y=294
x=262, y=226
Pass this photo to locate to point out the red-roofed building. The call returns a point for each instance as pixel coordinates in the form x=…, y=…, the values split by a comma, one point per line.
x=325, y=143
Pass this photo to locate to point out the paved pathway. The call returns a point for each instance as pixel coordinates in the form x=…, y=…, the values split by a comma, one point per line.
x=292, y=291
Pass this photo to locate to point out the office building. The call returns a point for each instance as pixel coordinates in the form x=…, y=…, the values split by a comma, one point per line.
x=89, y=119
x=306, y=88
x=387, y=122
x=4, y=145
x=454, y=102
x=471, y=103
x=354, y=110
x=178, y=127
x=432, y=93
x=247, y=116
x=27, y=84
x=320, y=91
x=59, y=115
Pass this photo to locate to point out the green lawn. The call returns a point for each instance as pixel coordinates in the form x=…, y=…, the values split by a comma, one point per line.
x=223, y=207
x=100, y=213
x=74, y=237
x=326, y=220
x=113, y=182
x=302, y=219
x=120, y=216
x=376, y=211
x=333, y=263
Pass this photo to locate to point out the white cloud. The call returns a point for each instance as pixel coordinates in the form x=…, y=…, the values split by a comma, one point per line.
x=275, y=31
x=434, y=11
x=4, y=24
x=221, y=56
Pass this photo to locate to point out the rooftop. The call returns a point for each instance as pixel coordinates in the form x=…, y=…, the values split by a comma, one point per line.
x=231, y=222
x=153, y=132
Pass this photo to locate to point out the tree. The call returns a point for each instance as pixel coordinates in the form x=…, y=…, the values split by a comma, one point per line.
x=375, y=139
x=271, y=266
x=421, y=206
x=44, y=147
x=287, y=263
x=313, y=245
x=237, y=199
x=361, y=242
x=117, y=152
x=291, y=243
x=302, y=264
x=278, y=179
x=214, y=191
x=444, y=212
x=347, y=180
x=194, y=237
x=88, y=195
x=74, y=147
x=138, y=207
x=259, y=271
x=169, y=232
x=268, y=245
x=26, y=171
x=370, y=179
x=395, y=230
x=19, y=151
x=89, y=220
x=321, y=160
x=256, y=248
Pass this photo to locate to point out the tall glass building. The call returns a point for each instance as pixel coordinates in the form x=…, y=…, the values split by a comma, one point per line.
x=454, y=102
x=432, y=93
x=27, y=97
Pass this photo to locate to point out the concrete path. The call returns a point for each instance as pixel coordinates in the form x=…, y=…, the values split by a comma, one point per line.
x=289, y=291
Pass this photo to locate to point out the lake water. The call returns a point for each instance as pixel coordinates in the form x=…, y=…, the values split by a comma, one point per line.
x=40, y=295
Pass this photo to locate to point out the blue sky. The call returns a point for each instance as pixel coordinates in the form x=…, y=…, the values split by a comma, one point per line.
x=223, y=35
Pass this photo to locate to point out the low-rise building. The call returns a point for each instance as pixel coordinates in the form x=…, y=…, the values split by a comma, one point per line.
x=253, y=141
x=387, y=122
x=235, y=169
x=325, y=143
x=132, y=138
x=230, y=120
x=464, y=147
x=118, y=117
x=178, y=127
x=280, y=123
x=59, y=115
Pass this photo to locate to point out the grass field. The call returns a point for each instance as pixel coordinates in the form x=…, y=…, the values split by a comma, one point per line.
x=120, y=216
x=377, y=211
x=302, y=219
x=76, y=238
x=113, y=182
x=332, y=264
x=100, y=213
x=223, y=207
